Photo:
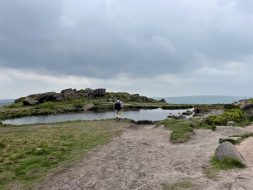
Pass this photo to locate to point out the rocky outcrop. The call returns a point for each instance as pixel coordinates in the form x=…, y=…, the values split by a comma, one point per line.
x=99, y=92
x=227, y=150
x=28, y=101
x=86, y=94
x=67, y=94
x=70, y=94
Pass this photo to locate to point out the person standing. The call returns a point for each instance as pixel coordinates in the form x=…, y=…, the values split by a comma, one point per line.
x=118, y=108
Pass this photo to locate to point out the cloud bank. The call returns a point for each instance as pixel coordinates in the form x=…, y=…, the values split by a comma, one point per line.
x=153, y=47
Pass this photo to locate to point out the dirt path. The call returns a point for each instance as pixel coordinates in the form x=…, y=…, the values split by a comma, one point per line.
x=143, y=159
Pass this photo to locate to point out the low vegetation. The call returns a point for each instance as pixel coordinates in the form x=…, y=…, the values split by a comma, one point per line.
x=204, y=109
x=181, y=130
x=226, y=164
x=236, y=115
x=216, y=166
x=106, y=102
x=182, y=184
x=28, y=153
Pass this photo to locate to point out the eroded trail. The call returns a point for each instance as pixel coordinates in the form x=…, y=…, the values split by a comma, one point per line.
x=142, y=159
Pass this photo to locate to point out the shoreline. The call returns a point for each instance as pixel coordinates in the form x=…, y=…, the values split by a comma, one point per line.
x=12, y=113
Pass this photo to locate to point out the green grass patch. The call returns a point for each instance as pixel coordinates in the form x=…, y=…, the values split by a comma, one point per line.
x=226, y=163
x=216, y=166
x=27, y=153
x=181, y=130
x=180, y=185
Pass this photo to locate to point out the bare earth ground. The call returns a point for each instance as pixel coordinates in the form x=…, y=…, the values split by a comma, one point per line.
x=143, y=158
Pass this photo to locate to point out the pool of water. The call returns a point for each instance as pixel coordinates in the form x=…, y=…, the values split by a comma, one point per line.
x=142, y=114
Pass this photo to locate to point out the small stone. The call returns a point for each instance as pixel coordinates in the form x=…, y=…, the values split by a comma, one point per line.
x=230, y=123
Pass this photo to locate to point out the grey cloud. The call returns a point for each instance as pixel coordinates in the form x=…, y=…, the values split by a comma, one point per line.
x=99, y=38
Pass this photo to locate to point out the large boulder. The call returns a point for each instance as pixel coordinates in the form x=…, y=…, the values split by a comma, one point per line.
x=28, y=101
x=162, y=100
x=88, y=107
x=228, y=150
x=48, y=96
x=70, y=94
x=99, y=92
x=55, y=97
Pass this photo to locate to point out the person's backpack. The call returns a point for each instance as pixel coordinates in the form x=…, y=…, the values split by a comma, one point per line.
x=118, y=106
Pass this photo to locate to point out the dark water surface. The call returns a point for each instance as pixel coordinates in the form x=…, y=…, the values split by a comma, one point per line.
x=142, y=114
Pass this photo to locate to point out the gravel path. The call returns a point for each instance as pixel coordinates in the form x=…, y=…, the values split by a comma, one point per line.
x=142, y=158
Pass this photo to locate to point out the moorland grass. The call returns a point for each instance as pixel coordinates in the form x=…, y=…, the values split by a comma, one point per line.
x=181, y=130
x=27, y=153
x=215, y=166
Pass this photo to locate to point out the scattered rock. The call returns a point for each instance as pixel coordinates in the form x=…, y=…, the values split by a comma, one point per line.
x=29, y=101
x=39, y=151
x=162, y=100
x=144, y=122
x=197, y=110
x=176, y=117
x=247, y=107
x=228, y=150
x=187, y=113
x=231, y=123
x=88, y=107
x=233, y=140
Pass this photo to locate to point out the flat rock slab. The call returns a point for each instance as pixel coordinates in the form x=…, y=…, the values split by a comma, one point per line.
x=230, y=131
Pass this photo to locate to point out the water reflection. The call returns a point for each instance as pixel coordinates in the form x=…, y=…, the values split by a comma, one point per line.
x=142, y=114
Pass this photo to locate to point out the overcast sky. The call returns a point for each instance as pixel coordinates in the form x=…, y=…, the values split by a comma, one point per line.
x=151, y=47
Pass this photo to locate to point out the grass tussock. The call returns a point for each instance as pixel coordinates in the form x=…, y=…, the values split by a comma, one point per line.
x=181, y=130
x=27, y=153
x=216, y=166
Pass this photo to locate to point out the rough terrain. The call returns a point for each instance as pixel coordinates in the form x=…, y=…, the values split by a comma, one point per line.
x=143, y=158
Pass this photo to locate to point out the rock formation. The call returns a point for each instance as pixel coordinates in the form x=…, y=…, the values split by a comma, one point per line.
x=99, y=92
x=70, y=94
x=67, y=94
